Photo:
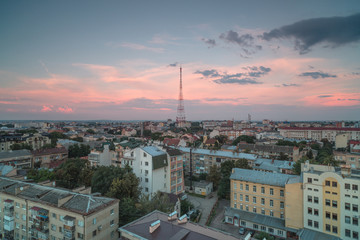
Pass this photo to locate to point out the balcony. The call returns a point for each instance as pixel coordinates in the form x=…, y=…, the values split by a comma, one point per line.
x=9, y=225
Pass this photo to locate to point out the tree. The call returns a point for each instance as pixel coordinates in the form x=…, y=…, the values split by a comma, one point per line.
x=103, y=178
x=90, y=131
x=125, y=186
x=203, y=176
x=242, y=163
x=264, y=235
x=68, y=174
x=20, y=146
x=128, y=211
x=214, y=176
x=186, y=206
x=224, y=185
x=160, y=201
x=40, y=175
x=283, y=156
x=243, y=138
x=78, y=139
x=286, y=143
x=309, y=154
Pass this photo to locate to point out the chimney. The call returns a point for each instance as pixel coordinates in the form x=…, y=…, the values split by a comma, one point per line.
x=155, y=225
x=172, y=216
x=346, y=170
x=183, y=219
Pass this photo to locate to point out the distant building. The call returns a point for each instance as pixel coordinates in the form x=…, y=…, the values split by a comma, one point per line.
x=36, y=141
x=101, y=158
x=7, y=141
x=270, y=150
x=341, y=140
x=17, y=158
x=50, y=157
x=32, y=211
x=350, y=159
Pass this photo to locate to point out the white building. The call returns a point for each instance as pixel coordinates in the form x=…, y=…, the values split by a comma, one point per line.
x=97, y=158
x=331, y=200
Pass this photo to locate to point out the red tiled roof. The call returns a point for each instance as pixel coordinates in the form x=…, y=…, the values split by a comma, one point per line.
x=171, y=141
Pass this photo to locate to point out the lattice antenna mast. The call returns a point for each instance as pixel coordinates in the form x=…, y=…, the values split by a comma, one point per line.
x=180, y=118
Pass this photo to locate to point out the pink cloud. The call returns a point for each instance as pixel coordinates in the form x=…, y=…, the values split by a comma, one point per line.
x=65, y=110
x=46, y=108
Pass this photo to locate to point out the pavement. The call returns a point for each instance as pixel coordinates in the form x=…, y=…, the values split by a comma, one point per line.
x=204, y=205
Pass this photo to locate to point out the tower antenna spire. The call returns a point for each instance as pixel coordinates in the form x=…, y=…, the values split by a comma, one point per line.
x=180, y=117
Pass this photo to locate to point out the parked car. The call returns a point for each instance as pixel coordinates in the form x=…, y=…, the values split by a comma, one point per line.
x=242, y=230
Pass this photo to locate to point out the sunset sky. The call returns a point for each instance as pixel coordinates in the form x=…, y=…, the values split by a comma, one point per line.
x=119, y=60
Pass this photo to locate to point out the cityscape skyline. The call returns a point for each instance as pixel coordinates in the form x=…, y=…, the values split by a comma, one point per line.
x=117, y=60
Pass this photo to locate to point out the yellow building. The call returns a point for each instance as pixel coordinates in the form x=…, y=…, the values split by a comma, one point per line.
x=32, y=211
x=258, y=201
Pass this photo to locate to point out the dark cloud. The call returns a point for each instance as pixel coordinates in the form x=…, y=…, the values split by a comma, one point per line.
x=248, y=77
x=316, y=75
x=210, y=42
x=290, y=85
x=311, y=67
x=334, y=31
x=325, y=96
x=173, y=64
x=348, y=99
x=356, y=73
x=245, y=41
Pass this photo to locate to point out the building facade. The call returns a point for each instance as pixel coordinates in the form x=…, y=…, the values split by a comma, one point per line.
x=331, y=200
x=50, y=157
x=31, y=211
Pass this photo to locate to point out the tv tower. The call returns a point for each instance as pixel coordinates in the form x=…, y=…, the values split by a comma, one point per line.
x=180, y=118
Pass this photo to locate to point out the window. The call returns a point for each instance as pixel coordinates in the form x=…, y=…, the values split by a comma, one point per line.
x=254, y=188
x=80, y=236
x=281, y=193
x=23, y=206
x=355, y=235
x=309, y=210
x=234, y=185
x=347, y=206
x=271, y=203
x=354, y=187
x=53, y=227
x=247, y=187
x=281, y=205
x=241, y=207
x=280, y=232
x=271, y=191
x=334, y=203
x=327, y=183
x=355, y=207
x=271, y=213
x=310, y=224
x=241, y=197
x=327, y=202
x=316, y=224
x=243, y=223
x=255, y=226
x=347, y=186
x=334, y=229
x=112, y=222
x=254, y=209
x=17, y=225
x=347, y=233
x=262, y=201
x=327, y=227
x=112, y=211
x=334, y=216
x=61, y=218
x=146, y=164
x=60, y=229
x=282, y=215
x=334, y=184
x=254, y=199
x=327, y=215
x=263, y=228
x=263, y=190
x=355, y=221
x=316, y=212
x=309, y=198
x=17, y=205
x=247, y=208
x=246, y=198
x=271, y=230
x=235, y=195
x=94, y=221
x=316, y=199
x=54, y=215
x=347, y=219
x=17, y=215
x=94, y=233
x=80, y=223
x=146, y=189
x=263, y=211
x=241, y=186
x=309, y=180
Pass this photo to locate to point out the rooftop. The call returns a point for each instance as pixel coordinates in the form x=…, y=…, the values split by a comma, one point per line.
x=267, y=178
x=81, y=203
x=153, y=151
x=219, y=153
x=15, y=154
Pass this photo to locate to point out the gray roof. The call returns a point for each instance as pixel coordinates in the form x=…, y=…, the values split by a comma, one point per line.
x=307, y=234
x=257, y=218
x=219, y=153
x=268, y=178
x=15, y=154
x=139, y=229
x=81, y=203
x=153, y=151
x=272, y=165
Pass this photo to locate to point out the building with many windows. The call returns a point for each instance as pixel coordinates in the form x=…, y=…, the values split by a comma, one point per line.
x=331, y=200
x=32, y=211
x=258, y=201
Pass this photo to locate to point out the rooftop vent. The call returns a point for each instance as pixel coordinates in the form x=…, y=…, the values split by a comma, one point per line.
x=154, y=226
x=172, y=216
x=183, y=219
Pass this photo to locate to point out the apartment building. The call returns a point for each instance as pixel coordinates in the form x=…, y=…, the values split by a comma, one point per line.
x=318, y=133
x=203, y=159
x=36, y=141
x=7, y=141
x=351, y=159
x=331, y=200
x=258, y=201
x=270, y=150
x=35, y=212
x=18, y=158
x=158, y=170
x=50, y=157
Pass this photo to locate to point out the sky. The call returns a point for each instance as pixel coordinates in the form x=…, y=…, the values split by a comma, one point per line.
x=120, y=60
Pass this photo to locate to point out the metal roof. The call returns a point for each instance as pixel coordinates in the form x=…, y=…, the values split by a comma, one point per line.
x=153, y=151
x=226, y=154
